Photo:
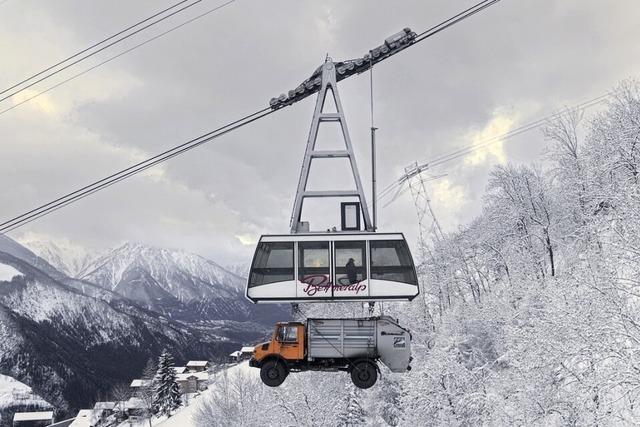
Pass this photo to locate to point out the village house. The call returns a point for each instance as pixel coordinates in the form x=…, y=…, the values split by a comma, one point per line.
x=197, y=365
x=32, y=419
x=180, y=369
x=139, y=383
x=135, y=407
x=104, y=409
x=235, y=356
x=192, y=382
x=246, y=353
x=138, y=386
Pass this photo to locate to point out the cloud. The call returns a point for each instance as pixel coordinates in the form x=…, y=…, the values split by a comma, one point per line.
x=247, y=239
x=42, y=103
x=498, y=125
x=448, y=201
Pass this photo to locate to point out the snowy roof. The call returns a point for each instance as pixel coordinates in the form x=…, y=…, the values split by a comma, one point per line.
x=235, y=353
x=246, y=349
x=197, y=363
x=141, y=383
x=179, y=369
x=201, y=376
x=33, y=416
x=104, y=405
x=81, y=422
x=86, y=418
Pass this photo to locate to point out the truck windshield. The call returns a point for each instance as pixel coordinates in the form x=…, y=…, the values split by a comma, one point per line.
x=288, y=333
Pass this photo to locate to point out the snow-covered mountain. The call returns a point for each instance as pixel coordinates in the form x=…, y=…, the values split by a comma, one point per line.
x=183, y=275
x=65, y=256
x=239, y=269
x=178, y=284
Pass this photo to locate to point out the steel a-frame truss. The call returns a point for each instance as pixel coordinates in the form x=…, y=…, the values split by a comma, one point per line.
x=328, y=85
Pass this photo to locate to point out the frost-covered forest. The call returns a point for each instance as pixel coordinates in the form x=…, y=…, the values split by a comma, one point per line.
x=529, y=314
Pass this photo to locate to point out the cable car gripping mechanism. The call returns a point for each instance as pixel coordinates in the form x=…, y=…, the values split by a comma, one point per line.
x=347, y=68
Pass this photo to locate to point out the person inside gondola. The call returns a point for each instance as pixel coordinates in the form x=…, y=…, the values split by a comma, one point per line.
x=352, y=272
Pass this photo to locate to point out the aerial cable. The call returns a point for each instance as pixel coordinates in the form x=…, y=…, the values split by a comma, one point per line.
x=75, y=76
x=82, y=58
x=478, y=7
x=90, y=47
x=87, y=190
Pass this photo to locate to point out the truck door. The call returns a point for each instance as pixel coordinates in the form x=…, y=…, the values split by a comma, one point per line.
x=291, y=341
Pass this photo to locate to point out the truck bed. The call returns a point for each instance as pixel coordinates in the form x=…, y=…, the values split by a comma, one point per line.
x=341, y=338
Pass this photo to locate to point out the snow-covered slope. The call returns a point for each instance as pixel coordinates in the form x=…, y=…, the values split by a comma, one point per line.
x=186, y=416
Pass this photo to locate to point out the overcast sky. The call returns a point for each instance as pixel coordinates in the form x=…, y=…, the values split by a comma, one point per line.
x=511, y=64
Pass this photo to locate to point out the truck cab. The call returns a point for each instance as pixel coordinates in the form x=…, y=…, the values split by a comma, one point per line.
x=287, y=342
x=285, y=350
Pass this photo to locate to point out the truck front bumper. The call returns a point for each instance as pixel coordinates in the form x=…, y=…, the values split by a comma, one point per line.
x=253, y=363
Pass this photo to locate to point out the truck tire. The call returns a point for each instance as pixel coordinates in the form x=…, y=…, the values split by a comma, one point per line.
x=273, y=373
x=364, y=374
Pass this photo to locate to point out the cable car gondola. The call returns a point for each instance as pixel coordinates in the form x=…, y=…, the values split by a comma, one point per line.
x=332, y=266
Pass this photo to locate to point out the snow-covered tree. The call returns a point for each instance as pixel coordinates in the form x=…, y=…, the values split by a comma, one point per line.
x=166, y=391
x=353, y=414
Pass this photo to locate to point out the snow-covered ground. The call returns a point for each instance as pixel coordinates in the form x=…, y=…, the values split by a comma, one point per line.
x=184, y=416
x=13, y=392
x=8, y=272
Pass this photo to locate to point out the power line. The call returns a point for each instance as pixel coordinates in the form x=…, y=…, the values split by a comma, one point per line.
x=525, y=128
x=82, y=58
x=75, y=76
x=112, y=179
x=464, y=151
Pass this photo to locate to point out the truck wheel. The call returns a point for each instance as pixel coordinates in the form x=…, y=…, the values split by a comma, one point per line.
x=273, y=373
x=364, y=374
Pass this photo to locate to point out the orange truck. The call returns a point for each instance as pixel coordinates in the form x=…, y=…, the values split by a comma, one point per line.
x=351, y=345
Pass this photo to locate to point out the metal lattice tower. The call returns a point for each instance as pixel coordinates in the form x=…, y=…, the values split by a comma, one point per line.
x=328, y=86
x=428, y=225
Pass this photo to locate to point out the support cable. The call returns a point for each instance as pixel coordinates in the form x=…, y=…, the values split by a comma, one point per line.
x=90, y=47
x=467, y=13
x=88, y=55
x=132, y=48
x=87, y=190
